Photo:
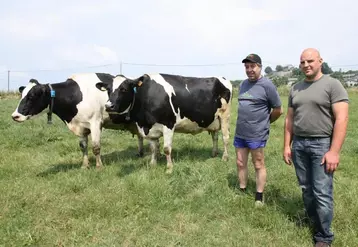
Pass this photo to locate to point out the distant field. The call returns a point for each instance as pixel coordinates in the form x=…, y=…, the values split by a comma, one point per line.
x=47, y=200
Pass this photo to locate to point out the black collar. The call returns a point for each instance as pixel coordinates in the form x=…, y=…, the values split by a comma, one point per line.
x=50, y=106
x=131, y=107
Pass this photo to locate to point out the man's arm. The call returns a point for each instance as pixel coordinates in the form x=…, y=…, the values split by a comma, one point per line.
x=275, y=114
x=288, y=133
x=340, y=112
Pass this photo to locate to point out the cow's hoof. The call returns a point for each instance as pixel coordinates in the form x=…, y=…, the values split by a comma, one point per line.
x=225, y=158
x=214, y=154
x=140, y=155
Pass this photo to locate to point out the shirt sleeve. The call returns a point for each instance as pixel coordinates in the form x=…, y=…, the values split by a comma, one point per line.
x=272, y=95
x=338, y=92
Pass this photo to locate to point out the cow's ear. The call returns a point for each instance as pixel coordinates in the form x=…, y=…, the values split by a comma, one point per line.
x=34, y=81
x=21, y=89
x=141, y=79
x=101, y=86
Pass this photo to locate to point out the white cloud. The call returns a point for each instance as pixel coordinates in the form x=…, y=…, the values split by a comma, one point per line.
x=86, y=54
x=19, y=27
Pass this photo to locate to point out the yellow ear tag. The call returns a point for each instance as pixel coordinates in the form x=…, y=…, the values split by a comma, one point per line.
x=103, y=89
x=140, y=83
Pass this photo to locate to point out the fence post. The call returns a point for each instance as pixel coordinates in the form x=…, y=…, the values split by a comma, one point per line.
x=8, y=81
x=120, y=68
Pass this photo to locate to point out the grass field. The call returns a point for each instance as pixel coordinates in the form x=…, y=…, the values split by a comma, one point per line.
x=47, y=200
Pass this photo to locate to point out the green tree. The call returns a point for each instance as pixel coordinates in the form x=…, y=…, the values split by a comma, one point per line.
x=268, y=70
x=338, y=75
x=280, y=80
x=296, y=72
x=236, y=83
x=326, y=69
x=279, y=68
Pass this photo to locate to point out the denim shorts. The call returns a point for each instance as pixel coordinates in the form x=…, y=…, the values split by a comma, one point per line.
x=242, y=143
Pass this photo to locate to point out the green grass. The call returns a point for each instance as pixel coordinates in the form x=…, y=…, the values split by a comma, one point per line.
x=47, y=200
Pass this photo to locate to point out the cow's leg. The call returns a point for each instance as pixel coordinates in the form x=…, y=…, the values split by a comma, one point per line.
x=215, y=137
x=83, y=141
x=225, y=129
x=168, y=140
x=140, y=146
x=96, y=145
x=154, y=151
x=158, y=147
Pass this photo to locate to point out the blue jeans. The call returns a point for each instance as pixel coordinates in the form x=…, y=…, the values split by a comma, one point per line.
x=315, y=182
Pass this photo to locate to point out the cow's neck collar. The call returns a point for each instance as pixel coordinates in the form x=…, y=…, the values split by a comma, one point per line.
x=50, y=106
x=132, y=105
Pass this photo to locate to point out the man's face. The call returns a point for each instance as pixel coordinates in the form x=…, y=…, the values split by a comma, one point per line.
x=253, y=71
x=310, y=64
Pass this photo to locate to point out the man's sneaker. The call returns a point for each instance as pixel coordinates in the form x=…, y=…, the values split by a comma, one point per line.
x=259, y=204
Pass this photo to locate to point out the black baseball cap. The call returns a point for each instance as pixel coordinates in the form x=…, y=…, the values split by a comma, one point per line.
x=252, y=58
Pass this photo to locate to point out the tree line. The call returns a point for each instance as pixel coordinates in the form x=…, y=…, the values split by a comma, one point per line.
x=296, y=74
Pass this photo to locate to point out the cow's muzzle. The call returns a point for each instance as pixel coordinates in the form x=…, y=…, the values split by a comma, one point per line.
x=109, y=106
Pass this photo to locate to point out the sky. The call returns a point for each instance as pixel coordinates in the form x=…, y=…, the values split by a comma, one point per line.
x=50, y=41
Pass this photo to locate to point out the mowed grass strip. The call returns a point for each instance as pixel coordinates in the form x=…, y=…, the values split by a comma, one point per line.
x=46, y=199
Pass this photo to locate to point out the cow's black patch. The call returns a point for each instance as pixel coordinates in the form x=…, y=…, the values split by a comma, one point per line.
x=68, y=96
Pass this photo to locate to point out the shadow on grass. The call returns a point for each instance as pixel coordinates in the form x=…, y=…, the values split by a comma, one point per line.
x=107, y=160
x=119, y=157
x=234, y=184
x=289, y=205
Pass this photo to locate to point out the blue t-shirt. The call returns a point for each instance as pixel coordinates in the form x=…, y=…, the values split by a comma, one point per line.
x=256, y=99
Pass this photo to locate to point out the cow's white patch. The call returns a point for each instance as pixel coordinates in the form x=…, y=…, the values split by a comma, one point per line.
x=27, y=89
x=226, y=83
x=16, y=115
x=117, y=81
x=186, y=87
x=154, y=133
x=167, y=87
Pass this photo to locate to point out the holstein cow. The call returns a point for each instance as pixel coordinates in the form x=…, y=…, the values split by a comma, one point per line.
x=79, y=104
x=162, y=104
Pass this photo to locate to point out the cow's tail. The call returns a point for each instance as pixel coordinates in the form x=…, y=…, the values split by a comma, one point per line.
x=224, y=116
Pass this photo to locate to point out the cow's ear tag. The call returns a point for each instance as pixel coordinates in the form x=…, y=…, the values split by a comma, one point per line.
x=135, y=89
x=140, y=83
x=103, y=89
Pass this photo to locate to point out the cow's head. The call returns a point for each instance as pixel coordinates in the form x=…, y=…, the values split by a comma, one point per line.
x=121, y=100
x=34, y=99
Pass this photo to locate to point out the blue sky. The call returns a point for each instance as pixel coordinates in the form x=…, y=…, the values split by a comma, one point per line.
x=50, y=41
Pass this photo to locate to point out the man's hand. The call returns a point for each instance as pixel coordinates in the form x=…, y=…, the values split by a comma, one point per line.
x=331, y=160
x=287, y=155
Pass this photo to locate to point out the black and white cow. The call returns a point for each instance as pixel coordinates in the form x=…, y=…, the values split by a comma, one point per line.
x=79, y=104
x=162, y=104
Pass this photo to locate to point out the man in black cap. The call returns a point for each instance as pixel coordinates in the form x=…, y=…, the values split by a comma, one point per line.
x=259, y=105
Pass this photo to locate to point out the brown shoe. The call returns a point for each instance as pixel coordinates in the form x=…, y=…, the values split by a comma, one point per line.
x=322, y=244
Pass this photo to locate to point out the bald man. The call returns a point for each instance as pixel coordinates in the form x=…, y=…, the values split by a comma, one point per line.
x=315, y=129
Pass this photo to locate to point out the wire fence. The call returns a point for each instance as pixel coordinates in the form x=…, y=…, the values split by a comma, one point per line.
x=12, y=79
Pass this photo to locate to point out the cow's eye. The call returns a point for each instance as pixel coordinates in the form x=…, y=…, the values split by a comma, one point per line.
x=123, y=90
